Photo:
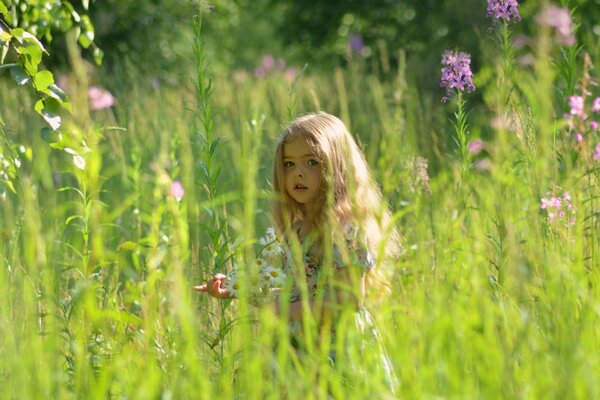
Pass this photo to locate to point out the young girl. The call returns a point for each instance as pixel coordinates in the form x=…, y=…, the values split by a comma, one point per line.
x=337, y=238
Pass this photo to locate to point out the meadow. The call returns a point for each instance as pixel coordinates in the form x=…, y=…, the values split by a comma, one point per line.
x=106, y=225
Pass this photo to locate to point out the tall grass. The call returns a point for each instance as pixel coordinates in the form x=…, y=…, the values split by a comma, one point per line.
x=96, y=264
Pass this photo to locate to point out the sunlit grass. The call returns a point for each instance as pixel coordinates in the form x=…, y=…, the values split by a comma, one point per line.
x=96, y=264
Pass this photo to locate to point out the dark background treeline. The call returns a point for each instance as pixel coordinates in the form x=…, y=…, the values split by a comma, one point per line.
x=154, y=36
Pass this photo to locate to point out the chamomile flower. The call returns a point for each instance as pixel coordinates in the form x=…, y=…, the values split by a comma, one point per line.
x=272, y=245
x=273, y=276
x=232, y=285
x=269, y=236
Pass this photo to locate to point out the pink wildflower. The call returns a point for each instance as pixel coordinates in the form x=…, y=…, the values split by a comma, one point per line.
x=559, y=208
x=594, y=125
x=597, y=152
x=576, y=103
x=475, y=146
x=100, y=98
x=560, y=19
x=260, y=72
x=177, y=190
x=268, y=62
x=596, y=105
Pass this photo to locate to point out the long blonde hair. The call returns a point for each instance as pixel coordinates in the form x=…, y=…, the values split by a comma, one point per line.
x=355, y=198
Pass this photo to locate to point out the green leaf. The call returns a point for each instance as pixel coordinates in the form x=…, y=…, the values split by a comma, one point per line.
x=39, y=106
x=52, y=119
x=48, y=109
x=4, y=53
x=73, y=217
x=3, y=9
x=5, y=36
x=57, y=93
x=52, y=105
x=51, y=136
x=86, y=38
x=31, y=56
x=30, y=38
x=79, y=161
x=98, y=56
x=18, y=34
x=19, y=75
x=42, y=80
x=86, y=24
x=10, y=185
x=127, y=246
x=74, y=13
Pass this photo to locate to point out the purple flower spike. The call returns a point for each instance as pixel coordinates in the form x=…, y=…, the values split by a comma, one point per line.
x=456, y=73
x=503, y=10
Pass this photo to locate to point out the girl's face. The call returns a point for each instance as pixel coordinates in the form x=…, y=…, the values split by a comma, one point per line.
x=302, y=173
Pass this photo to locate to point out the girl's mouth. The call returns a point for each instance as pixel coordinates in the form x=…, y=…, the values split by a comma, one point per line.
x=300, y=187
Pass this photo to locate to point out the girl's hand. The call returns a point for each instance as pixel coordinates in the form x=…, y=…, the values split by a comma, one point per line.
x=216, y=288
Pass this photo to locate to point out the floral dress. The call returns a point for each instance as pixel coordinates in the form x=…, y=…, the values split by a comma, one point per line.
x=275, y=266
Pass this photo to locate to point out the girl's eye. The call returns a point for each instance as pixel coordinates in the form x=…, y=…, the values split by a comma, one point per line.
x=288, y=164
x=312, y=162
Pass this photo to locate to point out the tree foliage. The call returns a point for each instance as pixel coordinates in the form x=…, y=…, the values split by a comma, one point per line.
x=330, y=30
x=24, y=24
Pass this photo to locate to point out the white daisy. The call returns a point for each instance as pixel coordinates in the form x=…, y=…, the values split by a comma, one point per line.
x=272, y=276
x=232, y=285
x=271, y=245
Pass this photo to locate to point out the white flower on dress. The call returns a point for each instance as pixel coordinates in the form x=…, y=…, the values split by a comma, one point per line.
x=350, y=232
